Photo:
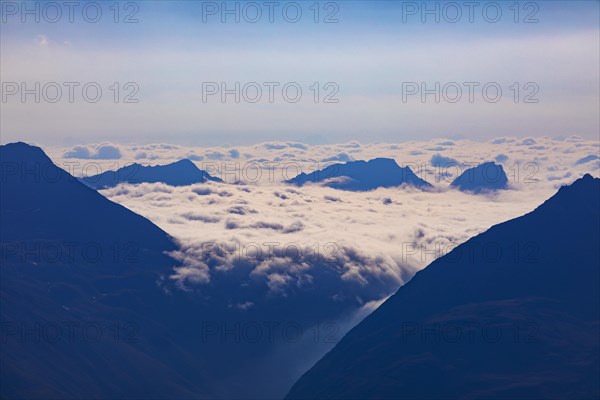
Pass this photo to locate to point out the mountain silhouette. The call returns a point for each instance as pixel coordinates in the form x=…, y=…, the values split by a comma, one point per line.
x=512, y=313
x=43, y=202
x=81, y=310
x=362, y=176
x=73, y=260
x=180, y=173
x=485, y=177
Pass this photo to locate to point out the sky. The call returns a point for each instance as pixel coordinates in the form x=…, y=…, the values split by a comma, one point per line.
x=382, y=71
x=155, y=82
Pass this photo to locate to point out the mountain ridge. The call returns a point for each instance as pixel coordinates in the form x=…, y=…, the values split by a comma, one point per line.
x=51, y=282
x=179, y=173
x=371, y=362
x=362, y=176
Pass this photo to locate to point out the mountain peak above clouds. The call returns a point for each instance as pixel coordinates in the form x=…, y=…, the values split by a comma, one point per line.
x=180, y=173
x=362, y=176
x=485, y=177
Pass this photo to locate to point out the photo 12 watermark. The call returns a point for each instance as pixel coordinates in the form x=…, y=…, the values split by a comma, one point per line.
x=469, y=92
x=53, y=12
x=453, y=12
x=468, y=333
x=252, y=12
x=474, y=252
x=267, y=332
x=69, y=92
x=69, y=332
x=69, y=253
x=271, y=92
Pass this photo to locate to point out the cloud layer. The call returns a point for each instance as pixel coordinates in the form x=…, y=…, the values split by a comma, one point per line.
x=255, y=249
x=373, y=240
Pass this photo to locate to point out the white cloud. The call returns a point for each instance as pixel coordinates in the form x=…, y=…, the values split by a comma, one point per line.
x=99, y=152
x=373, y=241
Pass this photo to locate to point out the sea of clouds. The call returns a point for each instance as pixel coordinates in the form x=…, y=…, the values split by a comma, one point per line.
x=373, y=241
x=259, y=249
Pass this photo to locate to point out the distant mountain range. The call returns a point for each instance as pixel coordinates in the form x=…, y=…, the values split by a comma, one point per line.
x=352, y=176
x=361, y=176
x=180, y=173
x=512, y=313
x=486, y=177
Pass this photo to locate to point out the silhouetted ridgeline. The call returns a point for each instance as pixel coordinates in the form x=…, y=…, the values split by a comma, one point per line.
x=180, y=173
x=362, y=176
x=525, y=325
x=486, y=177
x=81, y=313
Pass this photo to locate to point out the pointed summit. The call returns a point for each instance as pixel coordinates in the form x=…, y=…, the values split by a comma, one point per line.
x=583, y=194
x=486, y=177
x=22, y=152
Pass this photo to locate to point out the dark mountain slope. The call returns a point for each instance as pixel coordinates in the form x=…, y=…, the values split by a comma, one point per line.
x=40, y=201
x=81, y=313
x=511, y=313
x=157, y=340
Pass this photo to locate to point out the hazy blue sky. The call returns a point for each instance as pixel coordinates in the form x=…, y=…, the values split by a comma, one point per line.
x=371, y=61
